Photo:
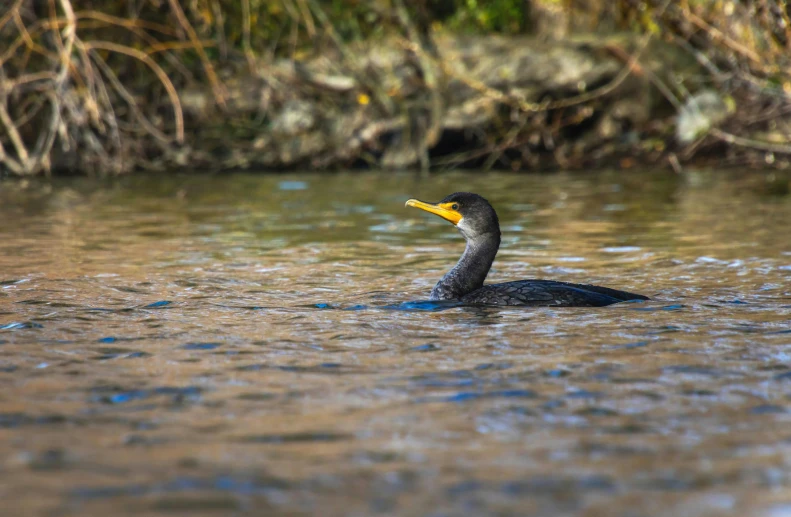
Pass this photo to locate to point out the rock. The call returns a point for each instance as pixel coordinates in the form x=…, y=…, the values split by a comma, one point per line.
x=296, y=117
x=700, y=113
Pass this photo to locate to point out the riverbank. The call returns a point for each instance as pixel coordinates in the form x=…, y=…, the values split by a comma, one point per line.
x=417, y=97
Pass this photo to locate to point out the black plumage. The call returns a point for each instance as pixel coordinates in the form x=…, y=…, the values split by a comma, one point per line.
x=478, y=223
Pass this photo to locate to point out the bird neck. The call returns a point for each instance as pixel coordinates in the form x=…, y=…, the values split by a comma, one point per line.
x=471, y=270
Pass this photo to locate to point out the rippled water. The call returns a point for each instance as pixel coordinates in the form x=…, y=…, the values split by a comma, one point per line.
x=237, y=344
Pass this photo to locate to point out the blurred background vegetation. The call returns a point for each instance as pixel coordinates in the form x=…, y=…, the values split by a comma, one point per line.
x=111, y=86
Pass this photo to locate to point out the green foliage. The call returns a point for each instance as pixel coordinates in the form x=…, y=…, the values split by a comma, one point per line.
x=507, y=16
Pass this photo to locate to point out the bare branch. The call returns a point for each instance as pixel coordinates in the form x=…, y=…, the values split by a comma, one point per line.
x=13, y=134
x=751, y=143
x=129, y=98
x=219, y=90
x=161, y=75
x=246, y=48
x=10, y=13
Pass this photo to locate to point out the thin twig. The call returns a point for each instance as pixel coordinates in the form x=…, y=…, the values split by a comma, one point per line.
x=718, y=35
x=310, y=26
x=430, y=77
x=164, y=46
x=13, y=134
x=497, y=153
x=123, y=22
x=47, y=75
x=70, y=32
x=53, y=22
x=219, y=24
x=28, y=38
x=217, y=87
x=10, y=13
x=748, y=142
x=129, y=98
x=47, y=137
x=14, y=166
x=29, y=111
x=109, y=114
x=161, y=75
x=246, y=47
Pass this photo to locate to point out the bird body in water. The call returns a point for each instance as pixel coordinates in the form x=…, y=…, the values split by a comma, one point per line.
x=477, y=221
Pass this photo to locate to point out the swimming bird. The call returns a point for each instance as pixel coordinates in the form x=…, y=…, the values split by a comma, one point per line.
x=477, y=221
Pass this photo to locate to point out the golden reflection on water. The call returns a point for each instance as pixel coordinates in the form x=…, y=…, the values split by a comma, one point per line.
x=234, y=344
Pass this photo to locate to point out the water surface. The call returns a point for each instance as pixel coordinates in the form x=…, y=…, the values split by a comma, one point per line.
x=221, y=345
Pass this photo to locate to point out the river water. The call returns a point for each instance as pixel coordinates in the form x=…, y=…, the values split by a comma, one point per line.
x=248, y=344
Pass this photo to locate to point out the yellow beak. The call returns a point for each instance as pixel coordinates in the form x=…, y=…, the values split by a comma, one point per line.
x=443, y=210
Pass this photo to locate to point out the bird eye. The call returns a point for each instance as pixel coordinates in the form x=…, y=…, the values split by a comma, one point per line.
x=455, y=206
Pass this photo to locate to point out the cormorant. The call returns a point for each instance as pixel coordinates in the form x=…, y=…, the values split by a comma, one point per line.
x=477, y=221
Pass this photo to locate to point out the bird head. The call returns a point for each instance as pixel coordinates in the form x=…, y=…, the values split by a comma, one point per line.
x=469, y=212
